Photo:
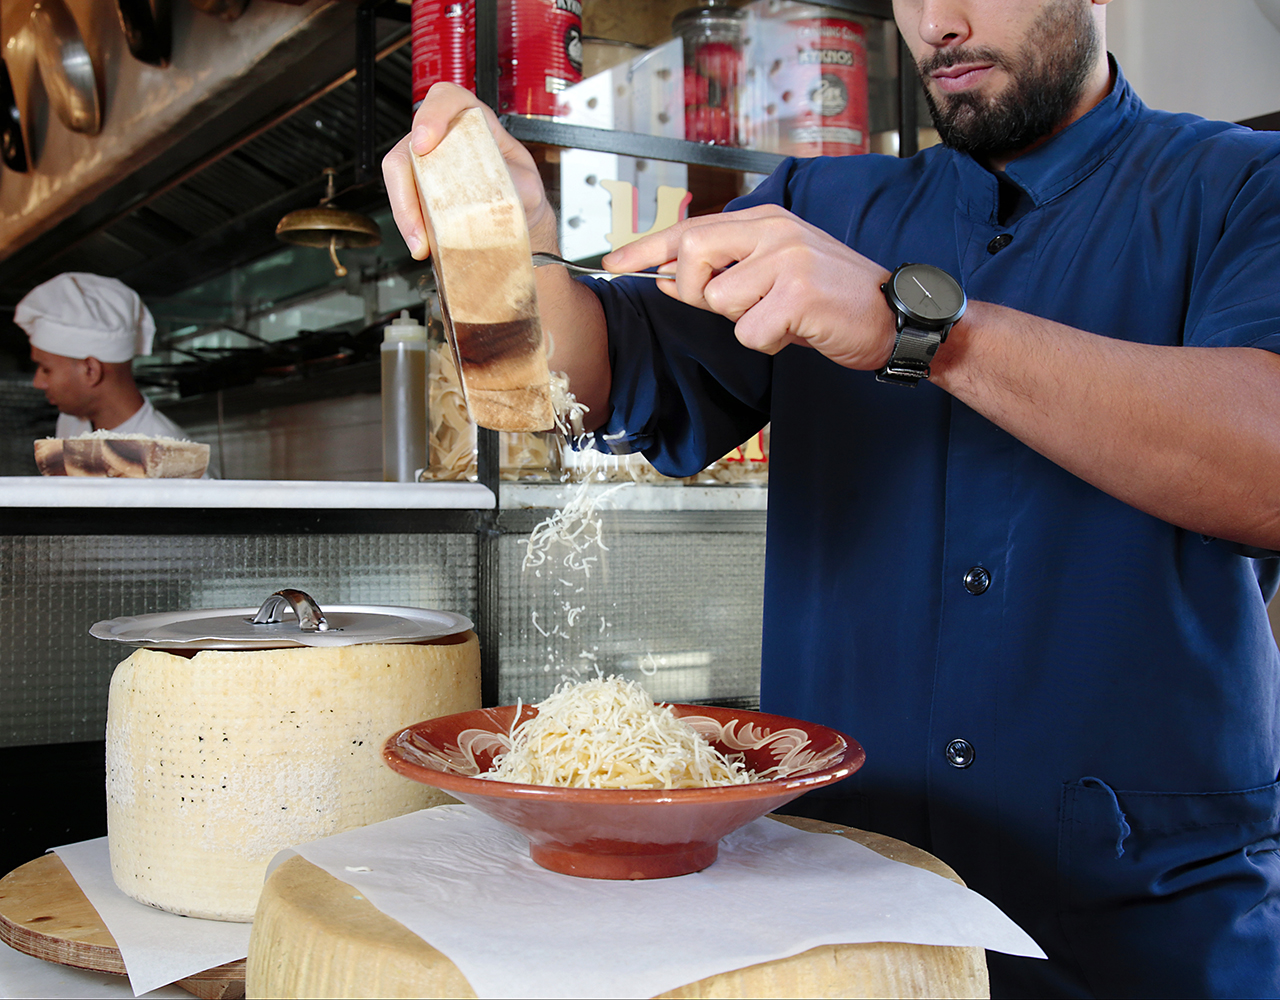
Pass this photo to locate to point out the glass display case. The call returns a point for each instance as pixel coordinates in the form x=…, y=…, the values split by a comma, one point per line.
x=673, y=597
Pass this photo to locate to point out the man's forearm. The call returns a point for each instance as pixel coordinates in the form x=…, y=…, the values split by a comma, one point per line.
x=1189, y=435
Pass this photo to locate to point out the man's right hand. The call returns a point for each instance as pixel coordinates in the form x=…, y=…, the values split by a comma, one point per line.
x=444, y=102
x=571, y=315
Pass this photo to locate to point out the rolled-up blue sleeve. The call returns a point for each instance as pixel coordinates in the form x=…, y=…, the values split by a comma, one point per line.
x=684, y=392
x=1235, y=300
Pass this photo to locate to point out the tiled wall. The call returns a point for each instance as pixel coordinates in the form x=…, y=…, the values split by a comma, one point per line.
x=24, y=416
x=328, y=439
x=678, y=611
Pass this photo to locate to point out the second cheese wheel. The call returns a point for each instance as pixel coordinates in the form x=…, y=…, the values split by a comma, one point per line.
x=216, y=762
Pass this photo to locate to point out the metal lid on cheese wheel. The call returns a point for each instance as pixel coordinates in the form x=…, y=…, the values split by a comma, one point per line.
x=286, y=618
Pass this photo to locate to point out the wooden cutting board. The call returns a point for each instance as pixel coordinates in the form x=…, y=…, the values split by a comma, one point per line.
x=44, y=914
x=314, y=936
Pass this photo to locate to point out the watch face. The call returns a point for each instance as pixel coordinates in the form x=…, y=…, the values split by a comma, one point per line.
x=929, y=294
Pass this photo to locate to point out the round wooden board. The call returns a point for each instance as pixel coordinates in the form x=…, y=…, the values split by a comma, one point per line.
x=314, y=936
x=44, y=914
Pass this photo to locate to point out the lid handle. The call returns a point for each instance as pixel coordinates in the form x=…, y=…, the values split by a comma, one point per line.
x=310, y=617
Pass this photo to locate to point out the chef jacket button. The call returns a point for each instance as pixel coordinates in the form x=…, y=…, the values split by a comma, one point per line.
x=977, y=580
x=960, y=753
x=999, y=243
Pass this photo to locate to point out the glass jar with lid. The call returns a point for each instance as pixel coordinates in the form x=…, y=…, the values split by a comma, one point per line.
x=712, y=36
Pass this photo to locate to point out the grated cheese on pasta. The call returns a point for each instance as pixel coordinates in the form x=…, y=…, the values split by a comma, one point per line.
x=608, y=733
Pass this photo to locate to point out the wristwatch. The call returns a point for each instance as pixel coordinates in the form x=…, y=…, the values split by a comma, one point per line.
x=926, y=301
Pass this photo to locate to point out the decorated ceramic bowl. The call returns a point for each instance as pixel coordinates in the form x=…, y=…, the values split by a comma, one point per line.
x=626, y=833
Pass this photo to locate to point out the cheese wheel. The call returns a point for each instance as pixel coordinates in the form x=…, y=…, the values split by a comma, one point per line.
x=315, y=937
x=218, y=761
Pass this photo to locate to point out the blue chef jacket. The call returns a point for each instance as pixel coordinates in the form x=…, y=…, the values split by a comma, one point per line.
x=1092, y=740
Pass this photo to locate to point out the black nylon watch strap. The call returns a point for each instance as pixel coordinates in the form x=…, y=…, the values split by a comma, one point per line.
x=913, y=350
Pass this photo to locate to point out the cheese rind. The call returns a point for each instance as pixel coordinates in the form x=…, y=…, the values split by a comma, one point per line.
x=217, y=762
x=481, y=255
x=122, y=456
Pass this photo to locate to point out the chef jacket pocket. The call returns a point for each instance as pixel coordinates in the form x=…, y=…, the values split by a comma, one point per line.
x=1172, y=894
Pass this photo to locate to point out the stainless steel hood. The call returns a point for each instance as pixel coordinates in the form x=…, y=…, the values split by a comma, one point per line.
x=196, y=161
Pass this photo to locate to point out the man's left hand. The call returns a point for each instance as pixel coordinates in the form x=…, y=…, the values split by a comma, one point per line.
x=779, y=279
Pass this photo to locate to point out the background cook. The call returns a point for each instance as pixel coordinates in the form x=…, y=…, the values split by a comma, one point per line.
x=85, y=331
x=1034, y=586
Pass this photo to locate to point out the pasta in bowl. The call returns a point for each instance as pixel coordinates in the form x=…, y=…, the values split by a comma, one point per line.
x=641, y=808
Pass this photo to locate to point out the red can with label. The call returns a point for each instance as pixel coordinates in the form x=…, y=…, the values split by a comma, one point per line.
x=444, y=44
x=539, y=52
x=810, y=69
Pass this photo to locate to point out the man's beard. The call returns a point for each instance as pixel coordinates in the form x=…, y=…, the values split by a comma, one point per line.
x=1047, y=78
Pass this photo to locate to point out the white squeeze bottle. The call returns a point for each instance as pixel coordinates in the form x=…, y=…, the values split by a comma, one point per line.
x=404, y=399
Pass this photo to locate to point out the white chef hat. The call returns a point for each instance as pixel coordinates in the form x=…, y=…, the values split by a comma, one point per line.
x=82, y=315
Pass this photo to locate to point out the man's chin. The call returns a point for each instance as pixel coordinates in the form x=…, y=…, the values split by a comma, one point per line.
x=968, y=102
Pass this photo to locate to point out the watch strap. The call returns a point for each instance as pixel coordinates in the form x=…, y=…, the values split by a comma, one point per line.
x=913, y=350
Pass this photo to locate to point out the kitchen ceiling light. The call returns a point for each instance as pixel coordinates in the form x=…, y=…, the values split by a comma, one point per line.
x=326, y=227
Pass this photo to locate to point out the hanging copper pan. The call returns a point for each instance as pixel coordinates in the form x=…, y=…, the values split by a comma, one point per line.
x=227, y=10
x=13, y=150
x=148, y=29
x=66, y=67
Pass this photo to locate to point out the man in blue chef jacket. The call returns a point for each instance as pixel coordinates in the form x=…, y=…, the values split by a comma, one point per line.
x=1022, y=553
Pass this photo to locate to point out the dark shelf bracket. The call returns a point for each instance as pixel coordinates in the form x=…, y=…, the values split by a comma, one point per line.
x=645, y=147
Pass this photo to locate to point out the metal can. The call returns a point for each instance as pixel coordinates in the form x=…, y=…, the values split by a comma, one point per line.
x=443, y=36
x=809, y=66
x=539, y=54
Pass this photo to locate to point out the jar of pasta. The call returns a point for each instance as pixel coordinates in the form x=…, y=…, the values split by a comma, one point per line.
x=530, y=457
x=451, y=433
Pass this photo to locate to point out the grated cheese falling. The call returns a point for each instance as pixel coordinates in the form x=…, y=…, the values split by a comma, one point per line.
x=568, y=411
x=576, y=526
x=608, y=733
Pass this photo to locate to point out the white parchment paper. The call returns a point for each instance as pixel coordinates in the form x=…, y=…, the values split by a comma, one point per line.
x=23, y=978
x=465, y=883
x=158, y=948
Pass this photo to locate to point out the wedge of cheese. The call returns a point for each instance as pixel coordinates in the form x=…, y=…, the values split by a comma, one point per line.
x=49, y=458
x=216, y=762
x=480, y=251
x=125, y=456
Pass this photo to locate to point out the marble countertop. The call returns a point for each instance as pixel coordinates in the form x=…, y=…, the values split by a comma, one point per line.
x=77, y=491
x=247, y=494
x=638, y=496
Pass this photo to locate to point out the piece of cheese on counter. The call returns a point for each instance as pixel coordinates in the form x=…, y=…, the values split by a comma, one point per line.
x=218, y=761
x=122, y=456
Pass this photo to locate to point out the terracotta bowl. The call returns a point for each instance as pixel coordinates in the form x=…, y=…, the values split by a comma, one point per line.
x=626, y=834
